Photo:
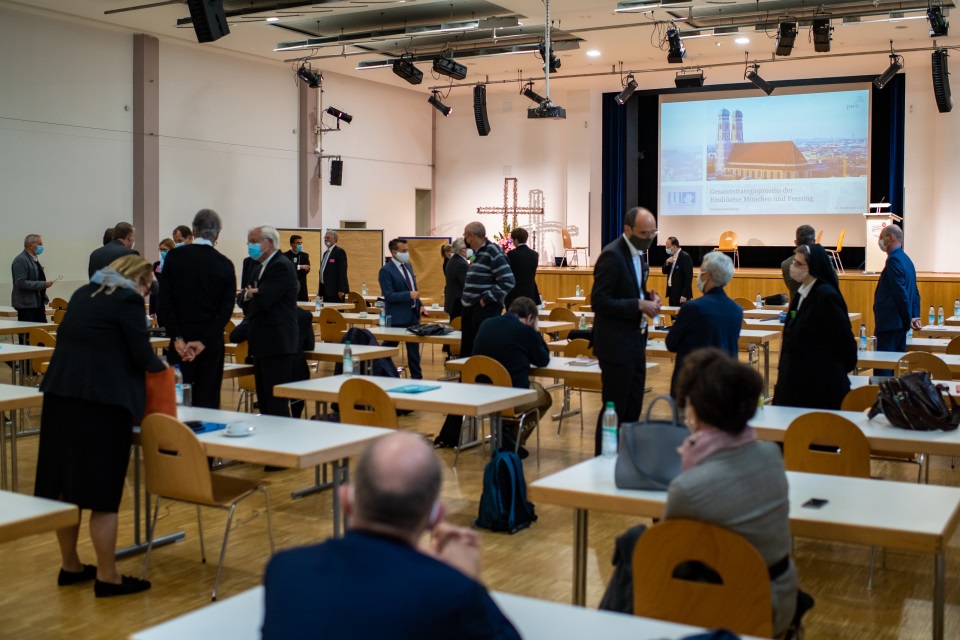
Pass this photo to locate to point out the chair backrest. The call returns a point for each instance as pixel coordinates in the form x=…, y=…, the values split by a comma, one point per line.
x=174, y=460
x=485, y=370
x=953, y=347
x=746, y=304
x=364, y=403
x=923, y=361
x=841, y=448
x=860, y=398
x=567, y=240
x=359, y=304
x=455, y=324
x=843, y=232
x=332, y=325
x=240, y=353
x=227, y=330
x=819, y=235
x=58, y=303
x=41, y=338
x=728, y=241
x=58, y=315
x=576, y=348
x=562, y=314
x=741, y=603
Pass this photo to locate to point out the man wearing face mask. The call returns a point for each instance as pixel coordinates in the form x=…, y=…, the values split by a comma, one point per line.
x=333, y=270
x=182, y=235
x=398, y=286
x=713, y=320
x=623, y=309
x=679, y=271
x=124, y=237
x=489, y=279
x=30, y=284
x=896, y=302
x=301, y=262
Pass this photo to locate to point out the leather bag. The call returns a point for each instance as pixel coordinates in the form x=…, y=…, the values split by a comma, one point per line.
x=648, y=458
x=431, y=329
x=911, y=401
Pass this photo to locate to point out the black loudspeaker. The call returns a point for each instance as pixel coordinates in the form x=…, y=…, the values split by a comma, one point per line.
x=209, y=21
x=941, y=80
x=480, y=109
x=336, y=172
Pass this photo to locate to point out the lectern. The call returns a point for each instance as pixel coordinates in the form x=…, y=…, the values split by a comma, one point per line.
x=877, y=219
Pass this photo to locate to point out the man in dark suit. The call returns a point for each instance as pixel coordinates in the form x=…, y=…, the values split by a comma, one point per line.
x=197, y=289
x=896, y=302
x=270, y=306
x=333, y=270
x=456, y=276
x=806, y=235
x=398, y=286
x=329, y=588
x=523, y=262
x=679, y=271
x=622, y=306
x=121, y=245
x=301, y=262
x=713, y=320
x=248, y=268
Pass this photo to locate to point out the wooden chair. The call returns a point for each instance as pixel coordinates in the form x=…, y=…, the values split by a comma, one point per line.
x=58, y=303
x=861, y=399
x=40, y=338
x=835, y=253
x=953, y=347
x=364, y=403
x=456, y=324
x=729, y=243
x=247, y=385
x=176, y=468
x=332, y=325
x=741, y=603
x=562, y=314
x=924, y=361
x=359, y=303
x=746, y=305
x=58, y=316
x=575, y=349
x=486, y=370
x=568, y=248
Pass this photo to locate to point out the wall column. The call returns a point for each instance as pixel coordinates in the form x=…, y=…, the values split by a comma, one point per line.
x=308, y=162
x=146, y=144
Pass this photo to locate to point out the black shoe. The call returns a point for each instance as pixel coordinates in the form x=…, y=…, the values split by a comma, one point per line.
x=522, y=453
x=271, y=468
x=67, y=578
x=128, y=585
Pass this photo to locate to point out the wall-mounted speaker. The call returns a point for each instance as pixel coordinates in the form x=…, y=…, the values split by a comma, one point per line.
x=941, y=80
x=480, y=109
x=209, y=21
x=336, y=172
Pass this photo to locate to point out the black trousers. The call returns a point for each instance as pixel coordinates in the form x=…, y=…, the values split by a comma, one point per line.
x=473, y=317
x=269, y=371
x=30, y=315
x=204, y=374
x=623, y=385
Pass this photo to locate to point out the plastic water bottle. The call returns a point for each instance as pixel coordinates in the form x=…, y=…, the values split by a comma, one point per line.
x=940, y=316
x=178, y=383
x=383, y=316
x=608, y=438
x=347, y=359
x=863, y=337
x=930, y=317
x=909, y=336
x=759, y=301
x=956, y=307
x=363, y=289
x=318, y=304
x=583, y=322
x=578, y=291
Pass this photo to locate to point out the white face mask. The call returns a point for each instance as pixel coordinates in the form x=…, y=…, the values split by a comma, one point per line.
x=669, y=251
x=469, y=253
x=403, y=257
x=798, y=274
x=700, y=284
x=883, y=245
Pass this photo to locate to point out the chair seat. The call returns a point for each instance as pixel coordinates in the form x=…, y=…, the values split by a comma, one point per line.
x=226, y=489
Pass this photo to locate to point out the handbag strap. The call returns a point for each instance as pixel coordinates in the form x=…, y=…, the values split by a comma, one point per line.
x=673, y=408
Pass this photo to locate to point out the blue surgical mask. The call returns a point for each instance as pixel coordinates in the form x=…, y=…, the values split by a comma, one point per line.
x=179, y=244
x=298, y=248
x=39, y=250
x=403, y=256
x=163, y=256
x=253, y=249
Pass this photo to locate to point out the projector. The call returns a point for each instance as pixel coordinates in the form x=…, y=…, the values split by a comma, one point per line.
x=546, y=111
x=450, y=67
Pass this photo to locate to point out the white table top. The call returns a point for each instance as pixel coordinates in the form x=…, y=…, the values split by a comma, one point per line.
x=11, y=352
x=285, y=442
x=747, y=336
x=933, y=331
x=861, y=381
x=13, y=397
x=544, y=314
x=558, y=367
x=233, y=370
x=400, y=334
x=8, y=327
x=931, y=345
x=240, y=618
x=339, y=306
x=356, y=318
x=333, y=352
x=22, y=515
x=450, y=397
x=889, y=359
x=7, y=312
x=895, y=515
x=951, y=321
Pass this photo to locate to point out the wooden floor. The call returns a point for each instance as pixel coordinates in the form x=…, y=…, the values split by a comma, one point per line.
x=536, y=562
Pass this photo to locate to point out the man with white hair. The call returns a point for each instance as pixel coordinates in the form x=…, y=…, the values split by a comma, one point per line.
x=712, y=320
x=269, y=303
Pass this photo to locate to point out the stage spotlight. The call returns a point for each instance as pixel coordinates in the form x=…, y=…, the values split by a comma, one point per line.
x=896, y=63
x=528, y=92
x=941, y=80
x=628, y=88
x=449, y=67
x=786, y=36
x=408, y=71
x=434, y=99
x=340, y=115
x=938, y=24
x=311, y=77
x=689, y=79
x=554, y=60
x=676, y=53
x=757, y=81
x=822, y=34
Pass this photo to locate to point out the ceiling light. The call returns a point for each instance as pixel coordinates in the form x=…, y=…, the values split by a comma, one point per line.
x=786, y=36
x=273, y=19
x=751, y=74
x=529, y=93
x=434, y=99
x=629, y=86
x=408, y=71
x=593, y=53
x=676, y=52
x=689, y=79
x=896, y=63
x=822, y=34
x=340, y=115
x=311, y=77
x=447, y=66
x=938, y=23
x=742, y=40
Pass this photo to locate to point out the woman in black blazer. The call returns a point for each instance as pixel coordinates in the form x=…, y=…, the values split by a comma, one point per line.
x=93, y=391
x=818, y=349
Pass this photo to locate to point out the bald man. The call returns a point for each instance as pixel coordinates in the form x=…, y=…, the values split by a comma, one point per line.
x=380, y=580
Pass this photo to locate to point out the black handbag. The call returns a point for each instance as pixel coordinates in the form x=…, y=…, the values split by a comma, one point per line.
x=431, y=329
x=911, y=401
x=648, y=457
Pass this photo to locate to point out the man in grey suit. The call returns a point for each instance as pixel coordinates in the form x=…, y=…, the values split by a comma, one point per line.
x=121, y=245
x=30, y=284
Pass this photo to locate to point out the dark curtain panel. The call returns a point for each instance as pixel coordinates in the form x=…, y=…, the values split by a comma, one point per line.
x=619, y=164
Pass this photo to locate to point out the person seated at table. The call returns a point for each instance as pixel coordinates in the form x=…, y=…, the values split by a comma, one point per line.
x=384, y=578
x=712, y=320
x=514, y=340
x=727, y=477
x=818, y=349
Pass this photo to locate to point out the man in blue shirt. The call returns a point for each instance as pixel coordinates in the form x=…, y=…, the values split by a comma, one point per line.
x=896, y=302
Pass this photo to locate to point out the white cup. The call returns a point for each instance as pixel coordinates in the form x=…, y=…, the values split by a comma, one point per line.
x=436, y=305
x=363, y=314
x=239, y=429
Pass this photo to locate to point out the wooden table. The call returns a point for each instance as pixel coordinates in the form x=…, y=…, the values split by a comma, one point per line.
x=930, y=345
x=339, y=306
x=367, y=319
x=400, y=334
x=240, y=618
x=893, y=515
x=364, y=354
x=933, y=331
x=952, y=321
x=889, y=359
x=26, y=515
x=13, y=398
x=7, y=312
x=15, y=327
x=572, y=300
x=233, y=370
x=558, y=367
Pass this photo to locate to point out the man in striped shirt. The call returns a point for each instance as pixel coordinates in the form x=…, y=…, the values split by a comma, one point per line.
x=489, y=279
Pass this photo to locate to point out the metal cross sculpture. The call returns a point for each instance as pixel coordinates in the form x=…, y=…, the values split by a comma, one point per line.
x=515, y=210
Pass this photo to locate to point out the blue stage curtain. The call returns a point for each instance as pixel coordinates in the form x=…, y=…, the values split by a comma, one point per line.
x=898, y=87
x=614, y=178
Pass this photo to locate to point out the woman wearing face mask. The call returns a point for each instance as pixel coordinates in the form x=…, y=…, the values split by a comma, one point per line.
x=92, y=393
x=446, y=252
x=818, y=348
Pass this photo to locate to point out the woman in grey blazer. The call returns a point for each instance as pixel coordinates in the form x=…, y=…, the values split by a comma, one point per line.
x=730, y=479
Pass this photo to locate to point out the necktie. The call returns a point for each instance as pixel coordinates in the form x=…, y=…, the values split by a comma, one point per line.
x=323, y=263
x=406, y=276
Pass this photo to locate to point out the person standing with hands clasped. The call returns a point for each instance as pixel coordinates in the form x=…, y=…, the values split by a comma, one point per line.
x=896, y=302
x=333, y=270
x=623, y=309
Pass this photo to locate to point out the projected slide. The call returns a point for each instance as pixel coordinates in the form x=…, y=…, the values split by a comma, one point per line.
x=788, y=154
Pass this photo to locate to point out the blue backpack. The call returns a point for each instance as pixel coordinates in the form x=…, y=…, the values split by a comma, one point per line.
x=503, y=504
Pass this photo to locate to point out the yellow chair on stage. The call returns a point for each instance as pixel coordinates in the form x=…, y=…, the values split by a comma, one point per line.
x=835, y=253
x=730, y=243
